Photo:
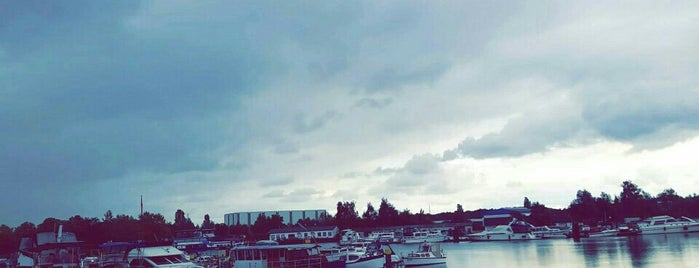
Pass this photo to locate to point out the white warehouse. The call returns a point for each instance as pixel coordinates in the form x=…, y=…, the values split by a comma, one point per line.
x=290, y=217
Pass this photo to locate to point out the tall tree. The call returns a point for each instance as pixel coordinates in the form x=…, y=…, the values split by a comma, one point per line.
x=633, y=201
x=8, y=240
x=584, y=209
x=669, y=203
x=49, y=225
x=346, y=215
x=527, y=203
x=370, y=215
x=26, y=229
x=182, y=222
x=108, y=216
x=207, y=224
x=154, y=227
x=459, y=214
x=388, y=214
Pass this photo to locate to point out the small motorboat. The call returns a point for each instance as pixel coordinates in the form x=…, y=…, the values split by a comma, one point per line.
x=427, y=254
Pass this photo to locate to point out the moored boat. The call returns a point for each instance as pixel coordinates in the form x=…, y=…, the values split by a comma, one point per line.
x=516, y=230
x=666, y=225
x=125, y=254
x=349, y=236
x=427, y=254
x=545, y=232
x=268, y=255
x=604, y=233
x=424, y=236
x=51, y=249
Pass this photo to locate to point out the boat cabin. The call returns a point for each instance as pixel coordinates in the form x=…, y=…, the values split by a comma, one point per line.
x=275, y=255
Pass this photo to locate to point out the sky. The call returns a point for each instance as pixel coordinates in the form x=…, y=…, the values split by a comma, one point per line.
x=215, y=107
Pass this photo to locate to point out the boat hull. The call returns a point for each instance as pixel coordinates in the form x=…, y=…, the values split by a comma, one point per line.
x=423, y=240
x=372, y=262
x=412, y=262
x=670, y=229
x=501, y=237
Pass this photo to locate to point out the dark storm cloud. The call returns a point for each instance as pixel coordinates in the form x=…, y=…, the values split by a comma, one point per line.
x=629, y=115
x=87, y=97
x=95, y=105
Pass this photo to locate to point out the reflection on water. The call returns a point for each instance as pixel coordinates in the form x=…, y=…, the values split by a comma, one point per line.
x=673, y=250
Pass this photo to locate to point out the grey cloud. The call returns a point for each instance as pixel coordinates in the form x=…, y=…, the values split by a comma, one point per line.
x=300, y=195
x=631, y=115
x=286, y=148
x=274, y=194
x=277, y=182
x=305, y=125
x=352, y=175
x=381, y=171
x=420, y=175
x=422, y=164
x=526, y=134
x=373, y=103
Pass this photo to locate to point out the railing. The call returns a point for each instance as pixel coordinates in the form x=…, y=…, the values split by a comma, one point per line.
x=312, y=262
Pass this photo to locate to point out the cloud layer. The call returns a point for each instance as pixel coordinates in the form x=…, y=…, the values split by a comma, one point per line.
x=215, y=107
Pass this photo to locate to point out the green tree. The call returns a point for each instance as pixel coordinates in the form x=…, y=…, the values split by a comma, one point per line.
x=388, y=214
x=8, y=240
x=346, y=216
x=459, y=215
x=669, y=203
x=584, y=209
x=49, y=225
x=527, y=203
x=26, y=229
x=634, y=202
x=108, y=216
x=370, y=215
x=182, y=222
x=86, y=229
x=153, y=227
x=606, y=208
x=207, y=223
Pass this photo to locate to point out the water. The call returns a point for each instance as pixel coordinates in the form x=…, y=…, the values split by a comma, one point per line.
x=672, y=250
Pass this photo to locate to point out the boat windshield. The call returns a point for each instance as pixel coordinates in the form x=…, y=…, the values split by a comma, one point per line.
x=169, y=259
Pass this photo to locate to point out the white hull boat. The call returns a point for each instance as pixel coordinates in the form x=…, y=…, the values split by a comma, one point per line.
x=504, y=233
x=604, y=233
x=668, y=225
x=424, y=236
x=427, y=254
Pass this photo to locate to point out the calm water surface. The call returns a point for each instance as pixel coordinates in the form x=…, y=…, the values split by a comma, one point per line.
x=672, y=250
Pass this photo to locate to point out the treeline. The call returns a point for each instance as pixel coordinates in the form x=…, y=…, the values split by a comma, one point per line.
x=93, y=231
x=632, y=202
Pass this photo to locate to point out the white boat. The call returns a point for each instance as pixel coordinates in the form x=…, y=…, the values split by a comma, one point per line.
x=363, y=260
x=268, y=255
x=545, y=232
x=383, y=237
x=427, y=254
x=424, y=236
x=364, y=255
x=604, y=233
x=49, y=250
x=349, y=236
x=667, y=225
x=505, y=233
x=123, y=254
x=159, y=256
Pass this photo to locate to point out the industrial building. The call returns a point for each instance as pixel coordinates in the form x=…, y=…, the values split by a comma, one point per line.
x=290, y=217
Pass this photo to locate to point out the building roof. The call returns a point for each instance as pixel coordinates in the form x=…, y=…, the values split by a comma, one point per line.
x=299, y=229
x=507, y=211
